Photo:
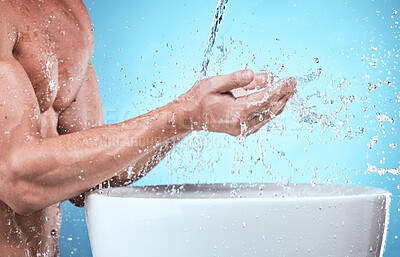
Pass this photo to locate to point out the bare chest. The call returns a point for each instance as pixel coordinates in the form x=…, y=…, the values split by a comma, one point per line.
x=54, y=44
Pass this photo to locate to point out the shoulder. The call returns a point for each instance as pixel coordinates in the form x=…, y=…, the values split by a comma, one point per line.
x=82, y=15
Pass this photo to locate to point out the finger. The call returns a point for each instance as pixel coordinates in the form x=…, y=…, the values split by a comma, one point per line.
x=267, y=97
x=253, y=125
x=258, y=126
x=268, y=114
x=277, y=90
x=278, y=108
x=238, y=79
x=239, y=92
x=261, y=80
x=256, y=123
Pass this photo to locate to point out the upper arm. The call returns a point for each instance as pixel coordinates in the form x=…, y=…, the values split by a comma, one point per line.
x=19, y=114
x=86, y=110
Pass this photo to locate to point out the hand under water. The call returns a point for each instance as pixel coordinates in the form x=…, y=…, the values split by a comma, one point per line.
x=222, y=103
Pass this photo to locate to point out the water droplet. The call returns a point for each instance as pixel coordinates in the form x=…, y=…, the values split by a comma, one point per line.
x=314, y=181
x=316, y=60
x=394, y=12
x=373, y=141
x=383, y=118
x=372, y=87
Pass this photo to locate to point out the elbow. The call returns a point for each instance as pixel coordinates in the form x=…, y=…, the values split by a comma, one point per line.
x=28, y=201
x=25, y=200
x=22, y=196
x=19, y=188
x=23, y=210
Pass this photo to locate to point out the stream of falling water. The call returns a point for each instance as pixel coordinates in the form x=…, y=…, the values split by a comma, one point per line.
x=198, y=141
x=218, y=17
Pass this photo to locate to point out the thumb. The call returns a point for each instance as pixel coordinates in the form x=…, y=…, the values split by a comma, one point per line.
x=238, y=79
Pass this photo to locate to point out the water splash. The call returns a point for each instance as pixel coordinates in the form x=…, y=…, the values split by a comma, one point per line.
x=381, y=118
x=218, y=17
x=308, y=115
x=372, y=87
x=373, y=141
x=303, y=80
x=297, y=104
x=381, y=171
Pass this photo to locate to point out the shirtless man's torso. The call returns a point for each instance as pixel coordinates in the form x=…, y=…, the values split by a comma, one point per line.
x=52, y=41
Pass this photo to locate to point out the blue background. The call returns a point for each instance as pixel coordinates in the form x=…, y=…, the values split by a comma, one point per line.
x=149, y=52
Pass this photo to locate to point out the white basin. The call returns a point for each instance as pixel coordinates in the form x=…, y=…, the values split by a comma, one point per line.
x=231, y=220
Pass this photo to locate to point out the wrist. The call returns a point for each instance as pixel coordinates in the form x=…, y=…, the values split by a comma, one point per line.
x=182, y=117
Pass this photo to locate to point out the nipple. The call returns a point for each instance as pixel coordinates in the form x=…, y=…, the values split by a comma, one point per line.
x=53, y=232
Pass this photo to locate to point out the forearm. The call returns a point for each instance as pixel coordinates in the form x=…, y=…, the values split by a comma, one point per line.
x=142, y=166
x=134, y=171
x=59, y=168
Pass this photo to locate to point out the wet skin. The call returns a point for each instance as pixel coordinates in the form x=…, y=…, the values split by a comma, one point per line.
x=54, y=145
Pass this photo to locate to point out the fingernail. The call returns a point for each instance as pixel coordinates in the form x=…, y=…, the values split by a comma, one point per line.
x=293, y=82
x=247, y=75
x=238, y=92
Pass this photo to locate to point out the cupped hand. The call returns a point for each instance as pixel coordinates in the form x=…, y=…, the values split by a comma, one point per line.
x=222, y=103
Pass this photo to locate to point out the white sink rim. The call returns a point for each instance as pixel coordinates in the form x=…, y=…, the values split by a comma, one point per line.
x=242, y=191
